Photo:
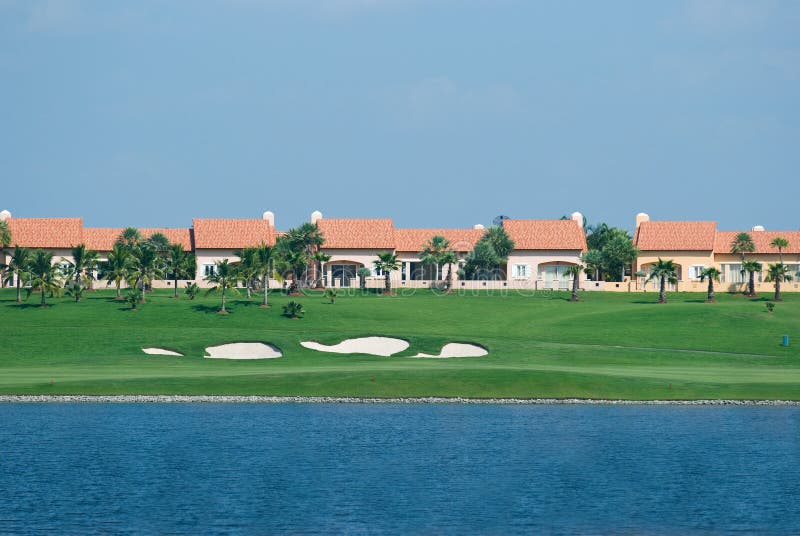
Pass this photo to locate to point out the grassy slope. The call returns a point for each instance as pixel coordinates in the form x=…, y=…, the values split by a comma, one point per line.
x=607, y=346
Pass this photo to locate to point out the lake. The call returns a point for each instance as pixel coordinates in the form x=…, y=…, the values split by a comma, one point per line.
x=398, y=469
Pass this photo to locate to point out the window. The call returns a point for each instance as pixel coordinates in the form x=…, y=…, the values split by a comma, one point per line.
x=209, y=269
x=521, y=270
x=732, y=273
x=695, y=270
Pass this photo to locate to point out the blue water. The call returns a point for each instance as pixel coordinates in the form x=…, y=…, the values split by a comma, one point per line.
x=372, y=469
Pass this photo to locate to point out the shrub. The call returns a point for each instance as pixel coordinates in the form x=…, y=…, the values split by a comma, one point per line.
x=132, y=297
x=331, y=294
x=770, y=307
x=293, y=309
x=191, y=290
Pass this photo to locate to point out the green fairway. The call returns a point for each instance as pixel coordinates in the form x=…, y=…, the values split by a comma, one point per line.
x=610, y=345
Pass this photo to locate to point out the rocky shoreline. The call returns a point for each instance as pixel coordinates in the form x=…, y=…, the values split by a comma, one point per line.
x=232, y=399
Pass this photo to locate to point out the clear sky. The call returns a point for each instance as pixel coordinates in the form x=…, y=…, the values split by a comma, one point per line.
x=434, y=113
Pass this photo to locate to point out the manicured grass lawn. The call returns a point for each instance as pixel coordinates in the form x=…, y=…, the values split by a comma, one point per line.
x=607, y=346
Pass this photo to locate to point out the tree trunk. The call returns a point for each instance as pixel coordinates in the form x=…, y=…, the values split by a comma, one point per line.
x=265, y=287
x=175, y=282
x=119, y=292
x=144, y=292
x=387, y=281
x=575, y=286
x=662, y=291
x=19, y=290
x=710, y=297
x=751, y=285
x=223, y=299
x=778, y=289
x=42, y=303
x=449, y=276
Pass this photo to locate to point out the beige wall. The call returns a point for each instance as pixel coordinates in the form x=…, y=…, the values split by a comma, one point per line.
x=536, y=259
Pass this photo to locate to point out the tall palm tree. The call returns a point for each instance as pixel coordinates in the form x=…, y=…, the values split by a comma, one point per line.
x=5, y=240
x=712, y=274
x=319, y=259
x=574, y=271
x=144, y=267
x=387, y=263
x=117, y=267
x=665, y=271
x=180, y=265
x=18, y=265
x=307, y=238
x=224, y=277
x=81, y=267
x=780, y=243
x=130, y=237
x=593, y=259
x=247, y=268
x=44, y=275
x=777, y=273
x=433, y=253
x=742, y=244
x=264, y=258
x=290, y=260
x=751, y=267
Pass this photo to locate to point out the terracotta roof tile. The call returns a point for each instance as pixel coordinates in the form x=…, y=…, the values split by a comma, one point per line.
x=761, y=239
x=231, y=233
x=546, y=234
x=675, y=235
x=353, y=233
x=103, y=238
x=46, y=232
x=413, y=239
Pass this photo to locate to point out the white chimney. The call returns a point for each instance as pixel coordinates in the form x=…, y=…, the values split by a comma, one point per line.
x=270, y=217
x=578, y=217
x=641, y=217
x=316, y=215
x=478, y=226
x=757, y=228
x=5, y=215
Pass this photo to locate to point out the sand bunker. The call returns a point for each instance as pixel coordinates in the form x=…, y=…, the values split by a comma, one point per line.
x=457, y=349
x=382, y=346
x=243, y=350
x=160, y=351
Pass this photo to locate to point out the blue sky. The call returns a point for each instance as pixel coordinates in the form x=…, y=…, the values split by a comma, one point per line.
x=434, y=113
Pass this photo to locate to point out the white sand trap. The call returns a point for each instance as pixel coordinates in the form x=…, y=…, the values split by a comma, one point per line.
x=160, y=351
x=457, y=349
x=383, y=346
x=243, y=350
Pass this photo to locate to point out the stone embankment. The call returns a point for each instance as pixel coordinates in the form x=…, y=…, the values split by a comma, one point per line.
x=226, y=399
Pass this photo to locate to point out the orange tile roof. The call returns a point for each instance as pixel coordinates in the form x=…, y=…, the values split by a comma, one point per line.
x=546, y=234
x=103, y=238
x=675, y=235
x=231, y=233
x=347, y=233
x=414, y=239
x=761, y=239
x=46, y=232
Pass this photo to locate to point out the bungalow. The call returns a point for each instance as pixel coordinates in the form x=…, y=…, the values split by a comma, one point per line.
x=689, y=244
x=543, y=250
x=409, y=244
x=218, y=239
x=730, y=264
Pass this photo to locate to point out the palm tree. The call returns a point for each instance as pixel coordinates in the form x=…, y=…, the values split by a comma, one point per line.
x=116, y=268
x=665, y=271
x=44, y=275
x=306, y=239
x=712, y=274
x=264, y=257
x=225, y=276
x=593, y=259
x=320, y=259
x=741, y=244
x=144, y=267
x=247, y=268
x=18, y=265
x=130, y=237
x=180, y=264
x=387, y=263
x=290, y=260
x=433, y=253
x=751, y=267
x=75, y=289
x=363, y=273
x=780, y=243
x=574, y=271
x=777, y=273
x=5, y=240
x=81, y=267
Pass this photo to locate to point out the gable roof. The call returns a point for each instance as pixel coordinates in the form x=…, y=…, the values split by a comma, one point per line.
x=46, y=232
x=231, y=233
x=103, y=238
x=357, y=233
x=414, y=239
x=761, y=239
x=675, y=235
x=546, y=234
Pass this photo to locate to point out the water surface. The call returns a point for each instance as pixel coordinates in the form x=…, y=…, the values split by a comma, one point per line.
x=373, y=469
